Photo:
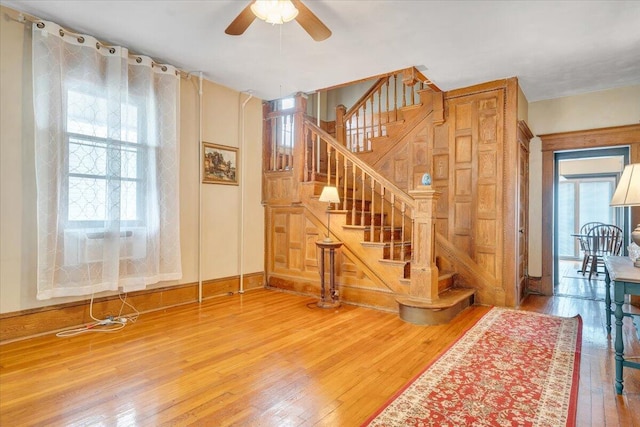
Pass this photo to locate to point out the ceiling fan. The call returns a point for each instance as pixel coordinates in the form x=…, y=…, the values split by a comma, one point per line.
x=293, y=9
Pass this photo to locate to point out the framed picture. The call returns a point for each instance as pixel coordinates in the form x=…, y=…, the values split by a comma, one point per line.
x=219, y=164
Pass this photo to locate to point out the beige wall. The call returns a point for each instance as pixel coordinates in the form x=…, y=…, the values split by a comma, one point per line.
x=614, y=107
x=222, y=204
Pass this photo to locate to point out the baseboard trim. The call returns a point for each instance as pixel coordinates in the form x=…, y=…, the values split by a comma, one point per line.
x=45, y=320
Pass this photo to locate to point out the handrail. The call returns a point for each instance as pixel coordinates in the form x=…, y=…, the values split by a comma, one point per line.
x=378, y=84
x=379, y=106
x=361, y=164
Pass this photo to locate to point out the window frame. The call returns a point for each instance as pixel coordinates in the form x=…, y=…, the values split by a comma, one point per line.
x=111, y=146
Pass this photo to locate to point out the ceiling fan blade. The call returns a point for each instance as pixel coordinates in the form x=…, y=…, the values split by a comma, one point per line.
x=242, y=22
x=310, y=22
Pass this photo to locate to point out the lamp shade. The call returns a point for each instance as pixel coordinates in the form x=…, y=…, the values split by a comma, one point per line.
x=628, y=190
x=329, y=194
x=274, y=11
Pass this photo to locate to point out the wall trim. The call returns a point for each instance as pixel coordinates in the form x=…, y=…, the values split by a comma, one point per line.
x=28, y=323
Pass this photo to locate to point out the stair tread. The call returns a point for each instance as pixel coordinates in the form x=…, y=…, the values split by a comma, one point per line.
x=394, y=261
x=446, y=299
x=385, y=244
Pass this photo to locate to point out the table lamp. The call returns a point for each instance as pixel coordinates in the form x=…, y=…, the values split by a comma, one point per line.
x=330, y=195
x=628, y=194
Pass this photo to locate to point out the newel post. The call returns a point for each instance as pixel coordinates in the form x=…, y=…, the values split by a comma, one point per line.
x=424, y=272
x=299, y=144
x=341, y=131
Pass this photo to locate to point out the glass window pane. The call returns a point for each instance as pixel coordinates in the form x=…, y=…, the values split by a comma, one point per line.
x=594, y=201
x=86, y=114
x=128, y=202
x=86, y=199
x=87, y=157
x=566, y=216
x=129, y=163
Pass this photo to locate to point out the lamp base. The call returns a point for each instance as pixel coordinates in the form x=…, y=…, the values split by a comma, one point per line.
x=635, y=235
x=327, y=239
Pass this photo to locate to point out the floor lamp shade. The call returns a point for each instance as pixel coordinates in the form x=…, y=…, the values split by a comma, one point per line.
x=628, y=194
x=330, y=195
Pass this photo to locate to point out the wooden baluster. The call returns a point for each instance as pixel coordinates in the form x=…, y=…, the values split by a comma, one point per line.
x=413, y=95
x=328, y=164
x=403, y=208
x=382, y=223
x=395, y=98
x=274, y=144
x=387, y=100
x=404, y=95
x=357, y=147
x=337, y=170
x=372, y=133
x=289, y=141
x=363, y=197
x=307, y=173
x=372, y=210
x=353, y=198
x=393, y=220
x=364, y=126
x=314, y=158
x=379, y=111
x=345, y=178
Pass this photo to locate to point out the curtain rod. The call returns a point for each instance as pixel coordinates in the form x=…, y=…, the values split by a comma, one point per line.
x=25, y=17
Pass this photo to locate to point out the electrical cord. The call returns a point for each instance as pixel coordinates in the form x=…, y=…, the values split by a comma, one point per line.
x=110, y=324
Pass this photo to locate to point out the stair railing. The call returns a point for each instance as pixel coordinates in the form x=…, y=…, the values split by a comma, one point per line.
x=371, y=201
x=378, y=106
x=279, y=126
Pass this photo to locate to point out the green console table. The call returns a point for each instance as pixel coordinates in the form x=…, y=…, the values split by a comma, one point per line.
x=626, y=281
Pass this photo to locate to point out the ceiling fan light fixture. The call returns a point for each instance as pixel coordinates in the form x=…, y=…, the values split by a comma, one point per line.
x=274, y=11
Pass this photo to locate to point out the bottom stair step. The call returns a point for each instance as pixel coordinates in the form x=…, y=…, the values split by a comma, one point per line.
x=443, y=310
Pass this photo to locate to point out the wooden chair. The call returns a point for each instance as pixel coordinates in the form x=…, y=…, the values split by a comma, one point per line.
x=602, y=240
x=584, y=245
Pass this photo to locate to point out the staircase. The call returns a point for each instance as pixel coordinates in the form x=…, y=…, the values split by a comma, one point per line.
x=389, y=235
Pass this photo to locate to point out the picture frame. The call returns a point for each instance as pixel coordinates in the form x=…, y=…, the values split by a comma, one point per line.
x=220, y=164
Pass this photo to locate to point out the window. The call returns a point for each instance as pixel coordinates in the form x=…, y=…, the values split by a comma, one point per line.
x=107, y=166
x=284, y=126
x=99, y=165
x=582, y=200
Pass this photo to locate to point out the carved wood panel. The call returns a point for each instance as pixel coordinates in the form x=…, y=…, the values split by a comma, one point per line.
x=474, y=172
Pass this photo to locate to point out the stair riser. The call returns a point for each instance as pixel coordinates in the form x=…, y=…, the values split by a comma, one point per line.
x=386, y=235
x=397, y=252
x=365, y=219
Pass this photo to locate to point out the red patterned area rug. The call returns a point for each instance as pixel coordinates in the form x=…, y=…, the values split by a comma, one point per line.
x=512, y=368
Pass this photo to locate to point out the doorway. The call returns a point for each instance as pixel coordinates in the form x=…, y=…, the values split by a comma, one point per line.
x=584, y=183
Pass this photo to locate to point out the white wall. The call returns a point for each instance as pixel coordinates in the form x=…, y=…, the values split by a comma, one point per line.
x=614, y=107
x=222, y=124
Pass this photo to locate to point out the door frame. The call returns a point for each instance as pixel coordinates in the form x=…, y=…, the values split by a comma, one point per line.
x=620, y=151
x=576, y=140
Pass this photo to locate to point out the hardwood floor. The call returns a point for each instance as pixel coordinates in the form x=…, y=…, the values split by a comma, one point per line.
x=267, y=358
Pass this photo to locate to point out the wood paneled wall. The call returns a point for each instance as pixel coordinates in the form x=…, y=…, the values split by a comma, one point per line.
x=473, y=157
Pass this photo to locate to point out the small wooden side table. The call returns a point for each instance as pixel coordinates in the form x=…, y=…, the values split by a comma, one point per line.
x=331, y=300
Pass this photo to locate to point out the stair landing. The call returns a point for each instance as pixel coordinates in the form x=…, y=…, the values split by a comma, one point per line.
x=443, y=310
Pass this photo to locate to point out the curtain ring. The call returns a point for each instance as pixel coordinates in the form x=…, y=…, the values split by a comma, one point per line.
x=61, y=33
x=112, y=50
x=40, y=25
x=138, y=60
x=98, y=46
x=80, y=39
x=164, y=68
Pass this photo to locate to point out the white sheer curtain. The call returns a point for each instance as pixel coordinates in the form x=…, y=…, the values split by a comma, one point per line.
x=106, y=142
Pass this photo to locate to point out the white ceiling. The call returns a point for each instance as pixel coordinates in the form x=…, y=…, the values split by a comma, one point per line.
x=555, y=48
